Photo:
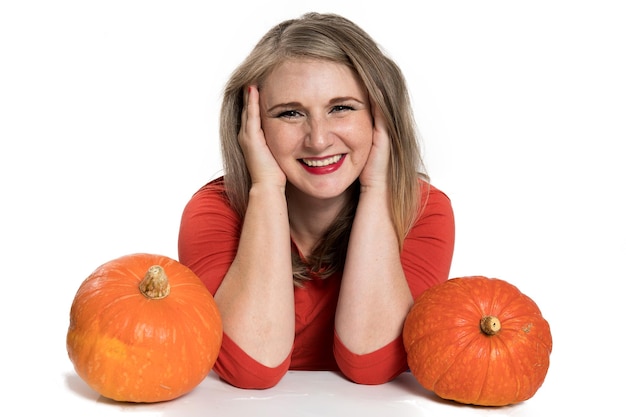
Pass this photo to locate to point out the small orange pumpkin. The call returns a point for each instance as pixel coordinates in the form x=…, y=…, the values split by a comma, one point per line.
x=478, y=340
x=143, y=328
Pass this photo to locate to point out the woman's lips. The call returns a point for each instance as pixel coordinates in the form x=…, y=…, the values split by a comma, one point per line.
x=321, y=166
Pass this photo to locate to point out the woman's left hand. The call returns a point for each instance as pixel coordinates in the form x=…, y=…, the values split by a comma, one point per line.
x=376, y=170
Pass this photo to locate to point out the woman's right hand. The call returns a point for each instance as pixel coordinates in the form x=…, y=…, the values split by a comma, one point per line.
x=261, y=163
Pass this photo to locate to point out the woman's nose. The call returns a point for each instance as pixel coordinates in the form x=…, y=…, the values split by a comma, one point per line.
x=319, y=135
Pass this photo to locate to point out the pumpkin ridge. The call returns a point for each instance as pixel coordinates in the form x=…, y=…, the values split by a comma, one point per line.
x=496, y=344
x=520, y=367
x=521, y=302
x=500, y=299
x=197, y=312
x=514, y=365
x=188, y=316
x=119, y=299
x=205, y=314
x=114, y=311
x=433, y=334
x=458, y=356
x=516, y=321
x=482, y=385
x=472, y=306
x=116, y=308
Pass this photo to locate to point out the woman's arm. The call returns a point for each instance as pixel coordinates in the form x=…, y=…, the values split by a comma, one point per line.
x=374, y=298
x=256, y=296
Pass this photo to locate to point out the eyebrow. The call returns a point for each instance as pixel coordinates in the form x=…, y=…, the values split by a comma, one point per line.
x=335, y=101
x=283, y=105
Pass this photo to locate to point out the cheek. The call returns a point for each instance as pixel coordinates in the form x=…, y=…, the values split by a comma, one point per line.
x=363, y=137
x=363, y=153
x=278, y=136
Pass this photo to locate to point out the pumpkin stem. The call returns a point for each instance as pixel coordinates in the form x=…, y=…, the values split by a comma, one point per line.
x=490, y=325
x=155, y=284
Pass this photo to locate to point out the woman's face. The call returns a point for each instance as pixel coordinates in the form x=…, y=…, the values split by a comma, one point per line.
x=317, y=123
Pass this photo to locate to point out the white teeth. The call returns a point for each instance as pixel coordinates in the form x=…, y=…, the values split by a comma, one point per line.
x=322, y=162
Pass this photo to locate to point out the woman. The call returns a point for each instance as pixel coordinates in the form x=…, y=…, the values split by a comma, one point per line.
x=324, y=227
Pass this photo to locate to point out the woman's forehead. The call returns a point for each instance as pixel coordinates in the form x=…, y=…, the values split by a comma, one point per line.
x=309, y=76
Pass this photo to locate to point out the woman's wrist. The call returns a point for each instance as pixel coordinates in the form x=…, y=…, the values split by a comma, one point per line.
x=264, y=189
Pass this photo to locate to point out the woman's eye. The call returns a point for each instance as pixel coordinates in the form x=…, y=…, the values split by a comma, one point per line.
x=341, y=108
x=289, y=114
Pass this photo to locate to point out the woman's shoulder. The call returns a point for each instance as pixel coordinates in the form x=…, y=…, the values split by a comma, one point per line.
x=435, y=204
x=430, y=193
x=210, y=197
x=213, y=187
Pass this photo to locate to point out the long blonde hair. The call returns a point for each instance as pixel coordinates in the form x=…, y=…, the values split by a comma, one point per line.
x=333, y=38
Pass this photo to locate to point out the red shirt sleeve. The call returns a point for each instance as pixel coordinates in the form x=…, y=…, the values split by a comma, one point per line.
x=427, y=252
x=373, y=368
x=426, y=259
x=209, y=234
x=237, y=368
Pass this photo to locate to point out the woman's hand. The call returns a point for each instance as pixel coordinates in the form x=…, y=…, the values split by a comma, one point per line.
x=376, y=170
x=261, y=164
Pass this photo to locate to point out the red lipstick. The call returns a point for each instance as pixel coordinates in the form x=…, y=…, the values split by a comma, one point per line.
x=323, y=165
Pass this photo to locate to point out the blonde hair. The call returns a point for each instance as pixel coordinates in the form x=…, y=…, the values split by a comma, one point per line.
x=333, y=38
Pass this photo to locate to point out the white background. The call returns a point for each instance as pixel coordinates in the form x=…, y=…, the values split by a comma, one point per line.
x=108, y=124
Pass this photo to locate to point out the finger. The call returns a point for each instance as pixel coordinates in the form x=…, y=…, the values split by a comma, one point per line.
x=379, y=121
x=244, y=113
x=376, y=169
x=253, y=119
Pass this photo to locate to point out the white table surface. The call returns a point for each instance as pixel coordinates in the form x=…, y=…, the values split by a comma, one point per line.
x=300, y=393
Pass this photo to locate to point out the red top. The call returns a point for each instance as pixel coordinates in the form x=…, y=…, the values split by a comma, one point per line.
x=208, y=241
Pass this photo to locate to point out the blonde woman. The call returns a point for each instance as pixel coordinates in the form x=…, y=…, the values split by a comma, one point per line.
x=324, y=227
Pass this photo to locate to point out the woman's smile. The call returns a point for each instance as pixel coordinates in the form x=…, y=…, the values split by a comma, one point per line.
x=323, y=165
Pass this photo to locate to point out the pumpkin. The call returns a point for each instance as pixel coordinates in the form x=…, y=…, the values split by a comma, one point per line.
x=477, y=340
x=143, y=328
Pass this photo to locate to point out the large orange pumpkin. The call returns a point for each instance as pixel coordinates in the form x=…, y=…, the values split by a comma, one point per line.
x=478, y=340
x=143, y=328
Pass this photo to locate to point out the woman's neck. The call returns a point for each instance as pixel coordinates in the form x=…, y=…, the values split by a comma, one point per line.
x=310, y=218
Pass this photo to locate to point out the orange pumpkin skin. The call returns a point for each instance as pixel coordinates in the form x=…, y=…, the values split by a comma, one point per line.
x=128, y=347
x=449, y=354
